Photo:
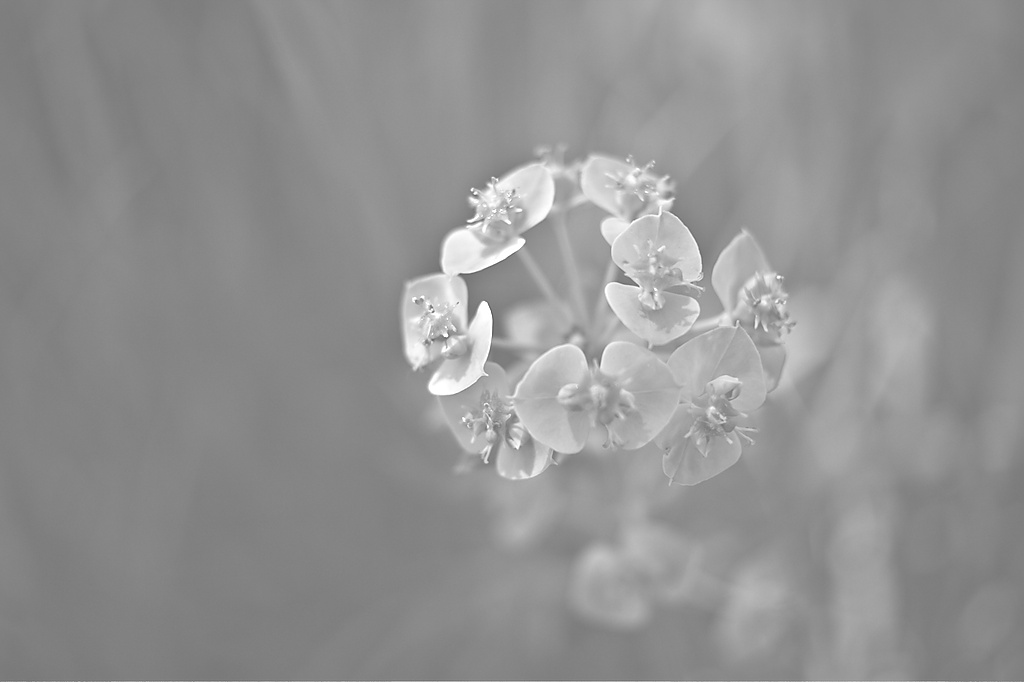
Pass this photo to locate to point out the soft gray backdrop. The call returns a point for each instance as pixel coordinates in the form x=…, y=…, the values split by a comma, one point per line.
x=214, y=463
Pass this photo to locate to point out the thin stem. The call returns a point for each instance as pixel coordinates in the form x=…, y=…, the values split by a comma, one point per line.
x=517, y=346
x=707, y=323
x=543, y=283
x=572, y=271
x=600, y=302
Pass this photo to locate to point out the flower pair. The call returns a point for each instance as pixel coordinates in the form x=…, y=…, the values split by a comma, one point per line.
x=628, y=398
x=625, y=190
x=436, y=331
x=503, y=210
x=658, y=253
x=753, y=297
x=721, y=380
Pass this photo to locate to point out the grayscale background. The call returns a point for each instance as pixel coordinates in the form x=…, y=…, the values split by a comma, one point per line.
x=214, y=461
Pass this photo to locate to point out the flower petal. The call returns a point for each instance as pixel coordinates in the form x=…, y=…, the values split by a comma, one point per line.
x=684, y=464
x=528, y=461
x=663, y=229
x=657, y=327
x=773, y=359
x=737, y=263
x=612, y=227
x=536, y=190
x=456, y=406
x=439, y=288
x=654, y=390
x=597, y=185
x=462, y=251
x=536, y=399
x=458, y=374
x=676, y=429
x=725, y=350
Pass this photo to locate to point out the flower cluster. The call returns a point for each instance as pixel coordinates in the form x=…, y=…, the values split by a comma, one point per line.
x=642, y=369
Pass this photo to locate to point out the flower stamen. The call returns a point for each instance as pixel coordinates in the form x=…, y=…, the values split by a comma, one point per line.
x=494, y=419
x=496, y=211
x=639, y=190
x=601, y=395
x=655, y=270
x=762, y=304
x=436, y=322
x=715, y=416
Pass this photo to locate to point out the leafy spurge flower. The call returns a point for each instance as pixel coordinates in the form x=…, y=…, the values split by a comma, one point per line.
x=630, y=396
x=604, y=590
x=625, y=190
x=658, y=253
x=753, y=296
x=617, y=585
x=721, y=379
x=484, y=421
x=434, y=327
x=502, y=211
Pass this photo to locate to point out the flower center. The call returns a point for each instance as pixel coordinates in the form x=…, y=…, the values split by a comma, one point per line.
x=762, y=304
x=495, y=212
x=601, y=395
x=715, y=415
x=495, y=420
x=638, y=190
x=654, y=270
x=437, y=324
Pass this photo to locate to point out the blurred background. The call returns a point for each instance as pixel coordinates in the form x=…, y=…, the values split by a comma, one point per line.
x=214, y=461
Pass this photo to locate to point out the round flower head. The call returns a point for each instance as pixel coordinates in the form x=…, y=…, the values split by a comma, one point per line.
x=752, y=295
x=721, y=379
x=623, y=188
x=484, y=421
x=658, y=253
x=435, y=328
x=630, y=396
x=502, y=211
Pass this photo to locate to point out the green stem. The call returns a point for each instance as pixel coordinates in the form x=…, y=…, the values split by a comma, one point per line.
x=707, y=323
x=543, y=283
x=600, y=302
x=517, y=346
x=572, y=271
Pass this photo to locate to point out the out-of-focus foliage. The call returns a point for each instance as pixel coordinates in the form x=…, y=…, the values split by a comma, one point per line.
x=213, y=462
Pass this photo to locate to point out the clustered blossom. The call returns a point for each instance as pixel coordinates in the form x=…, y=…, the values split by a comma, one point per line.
x=693, y=402
x=641, y=373
x=658, y=253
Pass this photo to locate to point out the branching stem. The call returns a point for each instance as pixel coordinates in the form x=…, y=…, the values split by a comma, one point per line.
x=543, y=283
x=572, y=270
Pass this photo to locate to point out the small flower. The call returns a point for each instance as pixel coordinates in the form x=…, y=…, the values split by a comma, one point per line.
x=658, y=253
x=753, y=296
x=630, y=395
x=617, y=585
x=662, y=559
x=721, y=379
x=435, y=328
x=625, y=189
x=606, y=591
x=502, y=211
x=484, y=421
